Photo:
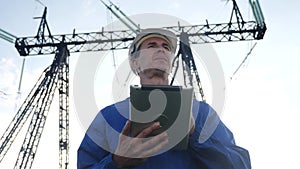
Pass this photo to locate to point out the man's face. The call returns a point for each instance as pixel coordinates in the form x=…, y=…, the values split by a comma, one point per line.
x=154, y=53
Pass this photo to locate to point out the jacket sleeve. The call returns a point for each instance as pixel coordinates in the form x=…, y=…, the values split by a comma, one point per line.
x=94, y=151
x=92, y=156
x=212, y=144
x=101, y=139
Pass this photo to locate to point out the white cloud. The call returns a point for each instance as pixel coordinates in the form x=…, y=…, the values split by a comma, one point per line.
x=8, y=84
x=8, y=73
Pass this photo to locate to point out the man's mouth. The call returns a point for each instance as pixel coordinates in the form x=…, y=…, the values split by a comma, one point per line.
x=161, y=58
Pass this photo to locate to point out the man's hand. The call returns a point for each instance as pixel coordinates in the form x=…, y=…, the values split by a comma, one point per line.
x=133, y=151
x=192, y=125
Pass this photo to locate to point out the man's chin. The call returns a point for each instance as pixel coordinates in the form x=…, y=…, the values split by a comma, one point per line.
x=156, y=70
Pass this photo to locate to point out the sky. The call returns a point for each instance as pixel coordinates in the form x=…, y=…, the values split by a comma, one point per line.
x=262, y=99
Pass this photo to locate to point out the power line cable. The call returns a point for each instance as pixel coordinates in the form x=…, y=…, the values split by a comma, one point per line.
x=248, y=54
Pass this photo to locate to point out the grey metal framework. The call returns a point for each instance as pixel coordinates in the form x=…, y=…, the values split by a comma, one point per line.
x=56, y=76
x=112, y=40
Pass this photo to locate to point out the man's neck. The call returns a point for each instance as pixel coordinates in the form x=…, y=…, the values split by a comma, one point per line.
x=153, y=77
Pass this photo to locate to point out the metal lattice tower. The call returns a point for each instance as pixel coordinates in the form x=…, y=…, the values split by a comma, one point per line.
x=56, y=76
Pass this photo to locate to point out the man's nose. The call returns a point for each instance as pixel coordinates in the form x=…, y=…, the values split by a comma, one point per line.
x=161, y=49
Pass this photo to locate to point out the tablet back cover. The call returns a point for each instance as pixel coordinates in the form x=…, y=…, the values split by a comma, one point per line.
x=170, y=105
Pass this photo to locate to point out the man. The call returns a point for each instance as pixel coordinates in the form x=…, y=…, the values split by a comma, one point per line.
x=150, y=57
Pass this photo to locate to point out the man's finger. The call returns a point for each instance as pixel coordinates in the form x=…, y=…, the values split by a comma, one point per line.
x=156, y=146
x=154, y=141
x=126, y=128
x=148, y=130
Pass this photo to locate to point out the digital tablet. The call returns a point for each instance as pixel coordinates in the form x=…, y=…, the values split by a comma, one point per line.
x=170, y=105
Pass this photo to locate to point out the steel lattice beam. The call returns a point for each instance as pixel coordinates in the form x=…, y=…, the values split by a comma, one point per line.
x=111, y=40
x=56, y=76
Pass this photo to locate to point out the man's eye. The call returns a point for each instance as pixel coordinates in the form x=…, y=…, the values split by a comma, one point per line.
x=167, y=48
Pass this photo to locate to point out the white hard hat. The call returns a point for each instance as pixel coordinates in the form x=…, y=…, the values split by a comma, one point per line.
x=169, y=36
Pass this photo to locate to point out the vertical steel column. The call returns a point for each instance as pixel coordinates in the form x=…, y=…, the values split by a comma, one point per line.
x=190, y=66
x=63, y=78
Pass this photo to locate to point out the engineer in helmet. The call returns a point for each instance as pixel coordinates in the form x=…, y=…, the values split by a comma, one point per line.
x=108, y=143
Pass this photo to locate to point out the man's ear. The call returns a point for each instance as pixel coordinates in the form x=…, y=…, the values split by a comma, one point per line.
x=134, y=64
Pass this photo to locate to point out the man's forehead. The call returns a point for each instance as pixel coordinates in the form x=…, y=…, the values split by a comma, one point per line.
x=156, y=40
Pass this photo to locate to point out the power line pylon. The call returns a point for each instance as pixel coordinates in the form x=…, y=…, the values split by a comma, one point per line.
x=37, y=104
x=56, y=76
